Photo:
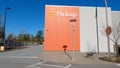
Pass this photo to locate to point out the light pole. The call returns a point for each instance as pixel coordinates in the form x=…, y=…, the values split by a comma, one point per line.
x=6, y=9
x=96, y=16
x=108, y=42
x=73, y=24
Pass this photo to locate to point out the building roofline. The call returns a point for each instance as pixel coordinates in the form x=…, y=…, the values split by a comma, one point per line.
x=74, y=6
x=115, y=11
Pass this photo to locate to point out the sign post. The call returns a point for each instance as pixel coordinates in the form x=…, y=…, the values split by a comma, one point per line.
x=108, y=42
x=108, y=32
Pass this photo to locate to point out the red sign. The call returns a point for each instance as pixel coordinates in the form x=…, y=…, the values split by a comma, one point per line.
x=108, y=30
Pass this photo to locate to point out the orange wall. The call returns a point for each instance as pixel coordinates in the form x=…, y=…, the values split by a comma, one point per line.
x=58, y=29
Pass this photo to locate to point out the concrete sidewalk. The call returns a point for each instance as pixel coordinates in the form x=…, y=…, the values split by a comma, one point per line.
x=61, y=57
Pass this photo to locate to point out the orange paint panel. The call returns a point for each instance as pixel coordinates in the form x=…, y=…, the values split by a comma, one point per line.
x=58, y=28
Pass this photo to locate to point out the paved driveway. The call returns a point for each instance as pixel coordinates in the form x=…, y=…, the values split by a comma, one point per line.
x=29, y=51
x=20, y=58
x=29, y=58
x=45, y=64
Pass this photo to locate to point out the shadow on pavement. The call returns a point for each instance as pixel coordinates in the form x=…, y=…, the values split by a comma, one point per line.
x=67, y=54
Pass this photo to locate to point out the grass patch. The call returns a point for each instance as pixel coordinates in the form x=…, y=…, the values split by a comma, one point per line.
x=111, y=59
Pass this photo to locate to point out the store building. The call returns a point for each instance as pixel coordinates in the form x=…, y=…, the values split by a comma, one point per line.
x=58, y=28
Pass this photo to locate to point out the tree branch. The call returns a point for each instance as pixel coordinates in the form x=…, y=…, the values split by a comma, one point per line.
x=112, y=40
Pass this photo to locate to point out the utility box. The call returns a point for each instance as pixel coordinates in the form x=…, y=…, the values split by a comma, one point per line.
x=117, y=49
x=2, y=48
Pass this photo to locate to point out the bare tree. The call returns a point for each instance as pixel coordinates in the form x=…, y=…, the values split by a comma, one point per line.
x=115, y=37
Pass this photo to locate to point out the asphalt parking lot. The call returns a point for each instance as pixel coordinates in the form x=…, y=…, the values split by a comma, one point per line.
x=45, y=64
x=29, y=58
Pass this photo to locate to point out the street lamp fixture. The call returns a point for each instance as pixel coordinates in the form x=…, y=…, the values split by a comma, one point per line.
x=73, y=20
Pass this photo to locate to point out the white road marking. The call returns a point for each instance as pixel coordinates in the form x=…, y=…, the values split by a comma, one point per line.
x=33, y=65
x=52, y=65
x=42, y=62
x=49, y=65
x=18, y=57
x=118, y=65
x=68, y=66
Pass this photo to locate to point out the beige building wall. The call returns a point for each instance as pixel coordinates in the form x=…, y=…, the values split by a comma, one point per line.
x=88, y=29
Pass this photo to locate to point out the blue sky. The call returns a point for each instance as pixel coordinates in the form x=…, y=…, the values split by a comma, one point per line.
x=28, y=15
